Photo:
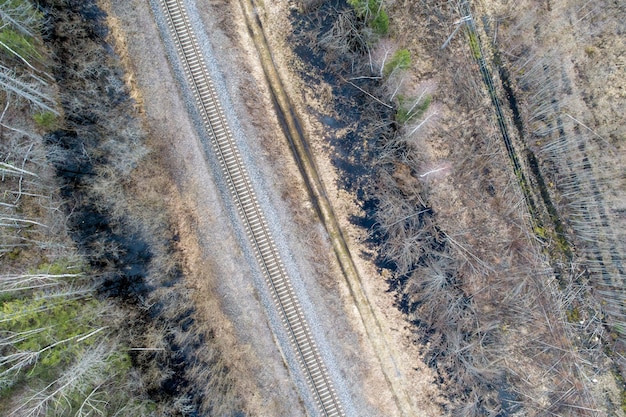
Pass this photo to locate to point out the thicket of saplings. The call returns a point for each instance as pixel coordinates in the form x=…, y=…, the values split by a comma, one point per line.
x=94, y=319
x=583, y=167
x=504, y=336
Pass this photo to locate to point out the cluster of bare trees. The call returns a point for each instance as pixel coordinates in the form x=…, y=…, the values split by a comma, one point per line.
x=54, y=345
x=506, y=333
x=53, y=339
x=473, y=310
x=22, y=70
x=22, y=159
x=585, y=174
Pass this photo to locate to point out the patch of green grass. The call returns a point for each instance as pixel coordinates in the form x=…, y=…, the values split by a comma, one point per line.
x=15, y=43
x=400, y=60
x=46, y=120
x=53, y=326
x=405, y=114
x=28, y=16
x=59, y=267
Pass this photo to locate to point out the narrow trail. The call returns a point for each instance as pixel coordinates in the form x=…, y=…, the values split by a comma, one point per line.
x=244, y=196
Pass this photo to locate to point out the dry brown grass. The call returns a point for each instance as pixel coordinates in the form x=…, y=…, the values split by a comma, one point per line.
x=500, y=320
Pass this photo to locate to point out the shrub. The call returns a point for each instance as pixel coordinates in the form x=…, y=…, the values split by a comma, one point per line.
x=380, y=23
x=416, y=110
x=372, y=11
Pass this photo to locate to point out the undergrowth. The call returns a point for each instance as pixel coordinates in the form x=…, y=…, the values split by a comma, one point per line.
x=85, y=328
x=505, y=334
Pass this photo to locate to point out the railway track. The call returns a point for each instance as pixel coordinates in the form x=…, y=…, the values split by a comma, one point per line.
x=237, y=178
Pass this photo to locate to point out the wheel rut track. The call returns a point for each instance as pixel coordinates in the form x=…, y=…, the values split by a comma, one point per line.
x=245, y=199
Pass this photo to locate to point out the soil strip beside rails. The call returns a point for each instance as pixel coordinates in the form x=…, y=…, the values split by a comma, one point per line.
x=300, y=149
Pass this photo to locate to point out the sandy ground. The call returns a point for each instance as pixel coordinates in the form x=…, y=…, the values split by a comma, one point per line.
x=216, y=266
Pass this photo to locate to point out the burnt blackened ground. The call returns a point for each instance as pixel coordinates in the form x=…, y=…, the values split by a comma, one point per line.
x=352, y=155
x=355, y=153
x=93, y=99
x=354, y=150
x=438, y=306
x=95, y=152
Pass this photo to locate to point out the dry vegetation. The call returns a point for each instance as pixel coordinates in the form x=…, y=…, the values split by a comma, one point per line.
x=95, y=318
x=572, y=123
x=514, y=322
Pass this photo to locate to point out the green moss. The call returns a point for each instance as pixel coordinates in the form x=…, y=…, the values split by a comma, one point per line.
x=573, y=315
x=14, y=254
x=622, y=385
x=540, y=232
x=475, y=45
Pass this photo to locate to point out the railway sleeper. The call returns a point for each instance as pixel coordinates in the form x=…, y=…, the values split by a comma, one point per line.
x=258, y=226
x=272, y=265
x=183, y=38
x=229, y=159
x=185, y=43
x=290, y=312
x=299, y=332
x=203, y=89
x=240, y=182
x=308, y=357
x=282, y=292
x=320, y=380
x=271, y=272
x=263, y=244
x=212, y=112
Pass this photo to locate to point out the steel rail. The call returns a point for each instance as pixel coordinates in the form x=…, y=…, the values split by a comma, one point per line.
x=244, y=196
